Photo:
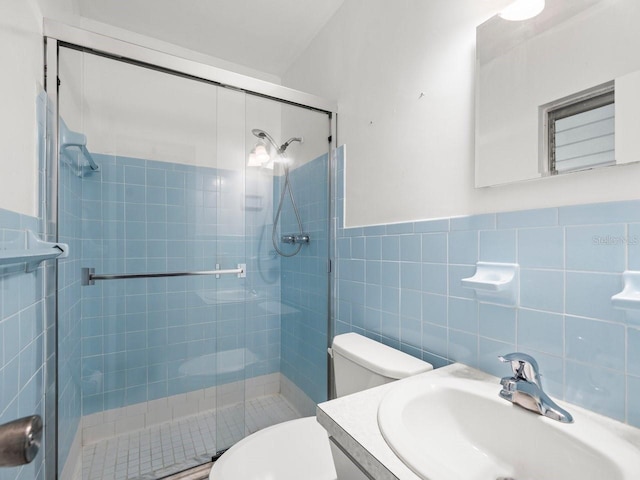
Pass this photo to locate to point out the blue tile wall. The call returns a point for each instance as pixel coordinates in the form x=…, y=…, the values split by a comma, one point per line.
x=140, y=340
x=571, y=260
x=305, y=287
x=22, y=338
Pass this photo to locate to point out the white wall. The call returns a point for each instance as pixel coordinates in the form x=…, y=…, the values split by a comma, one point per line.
x=63, y=10
x=411, y=156
x=21, y=55
x=313, y=127
x=133, y=111
x=21, y=58
x=68, y=12
x=181, y=52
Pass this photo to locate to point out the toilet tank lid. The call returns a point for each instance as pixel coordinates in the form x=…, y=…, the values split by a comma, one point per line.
x=377, y=357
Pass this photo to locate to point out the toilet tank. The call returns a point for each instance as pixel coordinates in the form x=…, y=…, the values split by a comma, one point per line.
x=360, y=363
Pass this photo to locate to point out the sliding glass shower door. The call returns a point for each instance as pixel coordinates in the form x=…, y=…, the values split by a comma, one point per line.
x=138, y=347
x=193, y=308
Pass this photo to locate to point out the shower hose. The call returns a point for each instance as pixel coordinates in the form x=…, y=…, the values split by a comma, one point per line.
x=286, y=187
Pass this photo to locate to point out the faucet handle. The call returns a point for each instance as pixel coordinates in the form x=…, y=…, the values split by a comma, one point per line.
x=524, y=366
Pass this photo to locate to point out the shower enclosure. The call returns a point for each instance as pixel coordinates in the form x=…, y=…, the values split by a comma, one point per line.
x=194, y=306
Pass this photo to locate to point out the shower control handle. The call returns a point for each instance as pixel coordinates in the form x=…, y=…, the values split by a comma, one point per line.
x=303, y=238
x=20, y=441
x=291, y=239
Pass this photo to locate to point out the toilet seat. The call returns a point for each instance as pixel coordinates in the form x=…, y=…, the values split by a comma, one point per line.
x=293, y=450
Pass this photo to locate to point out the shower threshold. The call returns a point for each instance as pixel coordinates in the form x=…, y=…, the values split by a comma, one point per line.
x=196, y=473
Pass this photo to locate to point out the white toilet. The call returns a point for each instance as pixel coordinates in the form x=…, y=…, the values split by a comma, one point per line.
x=301, y=449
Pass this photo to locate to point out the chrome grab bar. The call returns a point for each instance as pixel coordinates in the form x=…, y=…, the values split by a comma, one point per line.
x=89, y=276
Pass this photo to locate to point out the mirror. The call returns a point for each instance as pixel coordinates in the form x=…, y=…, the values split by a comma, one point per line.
x=573, y=51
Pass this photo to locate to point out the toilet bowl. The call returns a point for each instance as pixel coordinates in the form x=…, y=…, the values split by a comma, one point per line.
x=301, y=449
x=252, y=458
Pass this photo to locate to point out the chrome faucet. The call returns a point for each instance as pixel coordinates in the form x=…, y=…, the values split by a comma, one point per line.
x=524, y=388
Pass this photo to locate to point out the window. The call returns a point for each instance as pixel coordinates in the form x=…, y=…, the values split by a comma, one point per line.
x=581, y=132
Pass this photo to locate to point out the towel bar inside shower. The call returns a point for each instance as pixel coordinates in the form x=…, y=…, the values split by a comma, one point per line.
x=89, y=276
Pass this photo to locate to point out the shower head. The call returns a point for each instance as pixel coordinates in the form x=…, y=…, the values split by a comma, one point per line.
x=282, y=148
x=259, y=133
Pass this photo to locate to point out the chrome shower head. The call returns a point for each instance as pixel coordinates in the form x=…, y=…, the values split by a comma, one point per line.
x=282, y=148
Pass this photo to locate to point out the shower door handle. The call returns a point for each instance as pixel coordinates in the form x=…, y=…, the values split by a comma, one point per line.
x=20, y=441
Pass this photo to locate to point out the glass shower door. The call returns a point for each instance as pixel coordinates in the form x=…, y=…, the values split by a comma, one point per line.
x=146, y=363
x=287, y=316
x=158, y=373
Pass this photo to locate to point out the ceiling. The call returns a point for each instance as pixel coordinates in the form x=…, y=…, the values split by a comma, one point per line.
x=266, y=35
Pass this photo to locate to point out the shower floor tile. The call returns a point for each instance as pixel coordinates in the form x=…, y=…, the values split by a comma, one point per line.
x=167, y=448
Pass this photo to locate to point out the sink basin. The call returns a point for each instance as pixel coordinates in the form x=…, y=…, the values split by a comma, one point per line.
x=459, y=429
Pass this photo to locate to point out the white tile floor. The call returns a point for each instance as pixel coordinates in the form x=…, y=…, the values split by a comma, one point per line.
x=167, y=448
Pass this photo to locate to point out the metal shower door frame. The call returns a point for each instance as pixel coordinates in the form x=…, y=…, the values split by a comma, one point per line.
x=58, y=34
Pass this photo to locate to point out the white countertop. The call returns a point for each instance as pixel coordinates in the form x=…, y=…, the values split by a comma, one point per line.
x=352, y=422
